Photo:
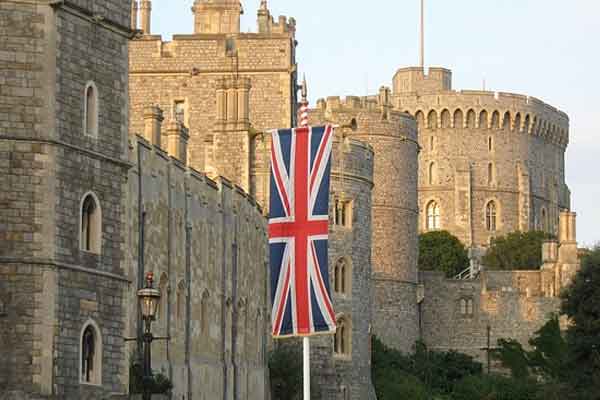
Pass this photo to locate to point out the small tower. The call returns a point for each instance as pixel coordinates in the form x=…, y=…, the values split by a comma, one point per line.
x=217, y=16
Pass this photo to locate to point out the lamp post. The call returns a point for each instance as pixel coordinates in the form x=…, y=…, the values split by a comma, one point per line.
x=148, y=299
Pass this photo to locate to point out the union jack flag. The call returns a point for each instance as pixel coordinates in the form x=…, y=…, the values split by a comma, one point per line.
x=298, y=231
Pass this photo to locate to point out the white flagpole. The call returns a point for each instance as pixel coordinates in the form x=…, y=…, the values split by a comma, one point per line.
x=306, y=348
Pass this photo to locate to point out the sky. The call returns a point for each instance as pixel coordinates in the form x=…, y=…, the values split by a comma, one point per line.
x=549, y=49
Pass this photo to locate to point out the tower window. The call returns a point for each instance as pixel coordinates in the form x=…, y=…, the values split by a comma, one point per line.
x=91, y=224
x=342, y=276
x=343, y=213
x=179, y=111
x=491, y=174
x=343, y=338
x=432, y=143
x=433, y=216
x=90, y=110
x=466, y=307
x=91, y=355
x=432, y=173
x=490, y=144
x=490, y=216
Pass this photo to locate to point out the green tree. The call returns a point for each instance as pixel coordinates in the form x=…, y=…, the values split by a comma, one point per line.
x=494, y=387
x=581, y=303
x=516, y=251
x=442, y=251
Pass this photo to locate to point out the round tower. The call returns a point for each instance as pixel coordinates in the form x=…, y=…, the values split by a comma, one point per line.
x=393, y=137
x=492, y=163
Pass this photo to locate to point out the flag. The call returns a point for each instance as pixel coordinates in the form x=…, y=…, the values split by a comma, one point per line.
x=298, y=231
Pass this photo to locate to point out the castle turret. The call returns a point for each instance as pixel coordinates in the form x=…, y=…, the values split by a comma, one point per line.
x=217, y=16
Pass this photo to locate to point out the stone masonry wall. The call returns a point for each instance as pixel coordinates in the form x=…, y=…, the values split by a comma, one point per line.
x=189, y=68
x=206, y=242
x=510, y=303
x=462, y=134
x=394, y=210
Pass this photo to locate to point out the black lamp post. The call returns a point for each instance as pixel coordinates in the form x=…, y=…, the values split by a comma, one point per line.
x=148, y=299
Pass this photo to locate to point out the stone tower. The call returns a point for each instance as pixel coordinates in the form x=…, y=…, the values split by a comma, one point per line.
x=217, y=16
x=225, y=86
x=492, y=163
x=63, y=156
x=392, y=136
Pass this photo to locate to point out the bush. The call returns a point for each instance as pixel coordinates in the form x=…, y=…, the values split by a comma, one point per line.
x=159, y=384
x=442, y=251
x=494, y=387
x=516, y=251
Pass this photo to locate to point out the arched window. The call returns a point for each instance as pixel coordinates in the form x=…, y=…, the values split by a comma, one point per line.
x=91, y=224
x=344, y=392
x=343, y=337
x=433, y=216
x=490, y=216
x=432, y=120
x=506, y=121
x=90, y=110
x=432, y=178
x=342, y=277
x=466, y=307
x=483, y=120
x=204, y=312
x=90, y=368
x=420, y=119
x=458, y=119
x=491, y=174
x=446, y=119
x=471, y=119
x=496, y=120
x=343, y=213
x=518, y=122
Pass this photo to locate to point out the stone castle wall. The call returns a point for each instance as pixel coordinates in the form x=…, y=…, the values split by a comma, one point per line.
x=206, y=243
x=394, y=209
x=480, y=146
x=50, y=287
x=189, y=69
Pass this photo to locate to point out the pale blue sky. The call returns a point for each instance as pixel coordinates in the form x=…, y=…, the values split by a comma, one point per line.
x=549, y=49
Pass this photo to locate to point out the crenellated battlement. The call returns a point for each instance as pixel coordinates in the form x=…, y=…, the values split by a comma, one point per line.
x=487, y=110
x=366, y=109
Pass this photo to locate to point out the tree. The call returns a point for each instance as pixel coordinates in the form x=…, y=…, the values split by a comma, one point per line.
x=516, y=251
x=442, y=251
x=581, y=303
x=285, y=368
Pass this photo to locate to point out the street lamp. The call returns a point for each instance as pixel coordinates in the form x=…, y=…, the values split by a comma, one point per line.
x=148, y=299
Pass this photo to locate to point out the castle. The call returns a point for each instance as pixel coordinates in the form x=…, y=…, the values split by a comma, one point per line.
x=122, y=154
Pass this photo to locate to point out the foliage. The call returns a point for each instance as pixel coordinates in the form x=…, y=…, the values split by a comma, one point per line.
x=494, y=387
x=581, y=303
x=516, y=251
x=442, y=251
x=159, y=384
x=390, y=376
x=424, y=374
x=285, y=369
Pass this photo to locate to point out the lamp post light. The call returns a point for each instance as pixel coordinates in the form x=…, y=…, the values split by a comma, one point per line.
x=148, y=299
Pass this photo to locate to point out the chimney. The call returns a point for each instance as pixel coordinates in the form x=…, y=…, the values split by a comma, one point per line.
x=153, y=118
x=177, y=139
x=146, y=15
x=134, y=14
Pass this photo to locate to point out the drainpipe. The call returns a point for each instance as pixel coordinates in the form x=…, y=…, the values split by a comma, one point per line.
x=234, y=327
x=188, y=276
x=141, y=224
x=224, y=297
x=169, y=244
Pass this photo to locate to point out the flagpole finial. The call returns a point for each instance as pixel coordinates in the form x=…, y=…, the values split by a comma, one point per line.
x=304, y=89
